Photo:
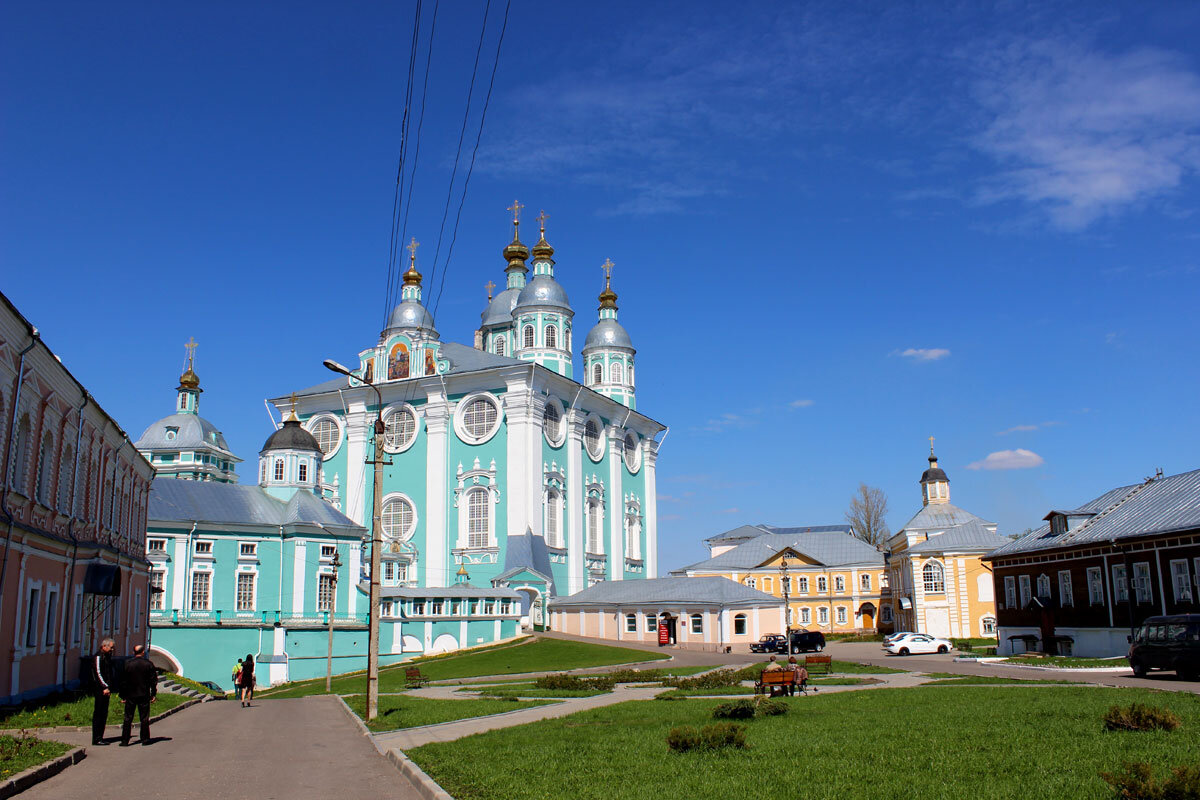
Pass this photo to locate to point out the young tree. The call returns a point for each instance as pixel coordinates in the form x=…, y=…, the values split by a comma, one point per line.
x=866, y=515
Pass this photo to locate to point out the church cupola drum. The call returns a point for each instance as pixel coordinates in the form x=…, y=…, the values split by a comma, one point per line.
x=542, y=316
x=608, y=351
x=290, y=460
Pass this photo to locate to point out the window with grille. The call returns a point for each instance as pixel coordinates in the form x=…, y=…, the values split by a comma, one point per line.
x=156, y=545
x=1065, y=595
x=841, y=615
x=1095, y=578
x=327, y=434
x=632, y=452
x=499, y=345
x=839, y=584
x=201, y=586
x=1141, y=583
x=477, y=518
x=597, y=374
x=245, y=591
x=804, y=586
x=389, y=571
x=204, y=548
x=551, y=336
x=988, y=626
x=934, y=577
x=1010, y=592
x=632, y=531
x=479, y=418
x=631, y=623
x=552, y=516
x=805, y=616
x=157, y=581
x=822, y=584
x=593, y=527
x=400, y=428
x=751, y=582
x=435, y=608
x=591, y=439
x=864, y=582
x=1043, y=586
x=651, y=623
x=1181, y=584
x=279, y=469
x=325, y=583
x=527, y=336
x=615, y=374
x=552, y=423
x=303, y=474
x=398, y=518
x=1120, y=585
x=823, y=615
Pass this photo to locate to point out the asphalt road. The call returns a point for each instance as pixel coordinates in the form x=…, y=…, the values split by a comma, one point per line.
x=300, y=748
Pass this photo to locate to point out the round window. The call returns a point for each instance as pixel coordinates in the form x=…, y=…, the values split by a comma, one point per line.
x=478, y=419
x=552, y=423
x=633, y=453
x=398, y=520
x=327, y=433
x=592, y=439
x=400, y=430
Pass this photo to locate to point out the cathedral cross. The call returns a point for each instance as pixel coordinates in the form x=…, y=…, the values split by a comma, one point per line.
x=411, y=247
x=541, y=221
x=607, y=266
x=191, y=346
x=516, y=209
x=489, y=286
x=930, y=445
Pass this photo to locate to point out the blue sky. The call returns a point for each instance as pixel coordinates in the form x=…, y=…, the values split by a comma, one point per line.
x=838, y=228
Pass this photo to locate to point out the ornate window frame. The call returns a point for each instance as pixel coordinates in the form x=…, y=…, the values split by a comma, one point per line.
x=460, y=409
x=554, y=482
x=396, y=408
x=562, y=422
x=633, y=516
x=933, y=577
x=599, y=455
x=405, y=536
x=476, y=479
x=311, y=423
x=636, y=450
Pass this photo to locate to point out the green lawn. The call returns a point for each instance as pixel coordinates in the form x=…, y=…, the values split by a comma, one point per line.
x=833, y=681
x=986, y=680
x=19, y=753
x=1066, y=662
x=54, y=711
x=836, y=668
x=527, y=689
x=998, y=742
x=541, y=655
x=401, y=711
x=191, y=684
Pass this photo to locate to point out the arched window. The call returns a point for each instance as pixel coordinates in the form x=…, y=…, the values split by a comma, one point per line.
x=615, y=374
x=551, y=336
x=631, y=374
x=739, y=624
x=303, y=472
x=697, y=623
x=477, y=518
x=66, y=467
x=988, y=626
x=262, y=471
x=553, y=515
x=934, y=576
x=398, y=519
x=279, y=469
x=552, y=423
x=633, y=531
x=822, y=584
x=21, y=454
x=597, y=374
x=527, y=336
x=591, y=439
x=593, y=527
x=499, y=345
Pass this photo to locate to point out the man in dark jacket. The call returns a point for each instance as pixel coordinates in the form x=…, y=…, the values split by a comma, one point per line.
x=104, y=682
x=139, y=688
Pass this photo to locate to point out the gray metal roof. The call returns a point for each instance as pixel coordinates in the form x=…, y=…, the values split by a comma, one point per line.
x=940, y=515
x=829, y=548
x=607, y=333
x=291, y=437
x=793, y=529
x=543, y=290
x=193, y=432
x=1144, y=509
x=499, y=311
x=740, y=533
x=702, y=591
x=410, y=314
x=457, y=590
x=173, y=500
x=969, y=537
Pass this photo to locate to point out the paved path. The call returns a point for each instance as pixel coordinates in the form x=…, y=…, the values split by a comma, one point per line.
x=285, y=749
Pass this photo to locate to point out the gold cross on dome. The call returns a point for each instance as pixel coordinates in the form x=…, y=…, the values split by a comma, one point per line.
x=191, y=346
x=541, y=221
x=411, y=247
x=607, y=266
x=293, y=399
x=516, y=209
x=489, y=286
x=930, y=445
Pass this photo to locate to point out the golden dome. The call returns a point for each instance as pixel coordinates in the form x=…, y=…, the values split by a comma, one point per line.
x=189, y=379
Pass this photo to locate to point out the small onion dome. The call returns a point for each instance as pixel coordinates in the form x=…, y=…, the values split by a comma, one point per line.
x=462, y=569
x=543, y=290
x=608, y=298
x=542, y=251
x=516, y=253
x=411, y=276
x=189, y=380
x=934, y=473
x=499, y=311
x=291, y=437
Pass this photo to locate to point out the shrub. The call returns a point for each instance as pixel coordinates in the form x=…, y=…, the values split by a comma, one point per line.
x=1138, y=717
x=710, y=737
x=710, y=680
x=560, y=680
x=1137, y=782
x=771, y=708
x=738, y=709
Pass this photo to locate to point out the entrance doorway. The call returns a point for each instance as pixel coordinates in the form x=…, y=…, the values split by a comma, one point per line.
x=866, y=614
x=667, y=629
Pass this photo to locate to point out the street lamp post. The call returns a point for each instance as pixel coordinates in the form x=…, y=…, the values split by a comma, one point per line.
x=376, y=546
x=337, y=565
x=785, y=584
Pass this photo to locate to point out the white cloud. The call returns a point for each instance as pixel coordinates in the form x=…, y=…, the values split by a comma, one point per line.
x=1009, y=459
x=802, y=403
x=1083, y=134
x=1028, y=428
x=925, y=354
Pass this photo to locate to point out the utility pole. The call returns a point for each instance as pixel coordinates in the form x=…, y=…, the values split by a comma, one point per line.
x=337, y=564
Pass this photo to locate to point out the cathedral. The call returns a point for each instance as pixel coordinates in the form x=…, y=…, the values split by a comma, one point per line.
x=499, y=461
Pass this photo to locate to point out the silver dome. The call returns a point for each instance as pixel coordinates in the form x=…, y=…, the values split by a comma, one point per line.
x=191, y=432
x=499, y=311
x=607, y=333
x=543, y=290
x=410, y=314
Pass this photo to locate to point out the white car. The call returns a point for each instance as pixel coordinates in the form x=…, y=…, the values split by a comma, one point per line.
x=891, y=637
x=917, y=643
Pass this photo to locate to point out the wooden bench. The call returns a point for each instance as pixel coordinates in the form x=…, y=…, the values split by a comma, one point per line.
x=413, y=679
x=774, y=680
x=822, y=665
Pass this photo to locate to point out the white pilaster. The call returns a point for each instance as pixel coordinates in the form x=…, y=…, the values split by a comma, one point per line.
x=437, y=417
x=649, y=457
x=298, y=566
x=356, y=468
x=616, y=502
x=575, y=420
x=520, y=478
x=352, y=578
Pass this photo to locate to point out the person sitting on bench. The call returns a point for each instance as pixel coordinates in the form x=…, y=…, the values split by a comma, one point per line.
x=799, y=676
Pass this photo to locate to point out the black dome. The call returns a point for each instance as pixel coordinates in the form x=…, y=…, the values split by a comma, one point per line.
x=934, y=474
x=291, y=437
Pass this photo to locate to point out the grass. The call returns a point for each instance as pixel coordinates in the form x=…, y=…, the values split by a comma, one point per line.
x=750, y=673
x=19, y=753
x=987, y=680
x=59, y=710
x=999, y=742
x=401, y=711
x=540, y=655
x=1066, y=662
x=527, y=689
x=721, y=690
x=191, y=684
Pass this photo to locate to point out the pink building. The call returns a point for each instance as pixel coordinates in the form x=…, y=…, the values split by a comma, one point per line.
x=72, y=520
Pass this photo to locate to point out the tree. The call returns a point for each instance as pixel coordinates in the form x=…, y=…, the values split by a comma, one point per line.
x=866, y=515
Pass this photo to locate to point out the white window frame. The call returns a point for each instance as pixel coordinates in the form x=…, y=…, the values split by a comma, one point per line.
x=550, y=336
x=822, y=615
x=933, y=577
x=464, y=507
x=750, y=581
x=249, y=555
x=805, y=616
x=651, y=623
x=562, y=422
x=528, y=336
x=631, y=623
x=840, y=615
x=1181, y=582
x=460, y=410
x=839, y=584
x=985, y=622
x=553, y=533
x=739, y=621
x=33, y=616
x=616, y=373
x=1010, y=591
x=327, y=578
x=1043, y=587
x=1025, y=584
x=822, y=585
x=312, y=423
x=150, y=542
x=237, y=580
x=1095, y=578
x=1066, y=592
x=207, y=552
x=588, y=531
x=600, y=439
x=1120, y=583
x=802, y=582
x=697, y=624
x=403, y=536
x=631, y=455
x=390, y=412
x=1143, y=588
x=864, y=582
x=158, y=600
x=208, y=591
x=53, y=609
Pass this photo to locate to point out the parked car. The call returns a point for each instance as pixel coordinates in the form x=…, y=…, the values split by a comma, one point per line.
x=806, y=641
x=770, y=643
x=213, y=686
x=917, y=643
x=891, y=637
x=1169, y=643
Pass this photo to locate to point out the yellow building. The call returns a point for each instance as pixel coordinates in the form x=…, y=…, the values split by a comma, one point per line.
x=833, y=582
x=940, y=585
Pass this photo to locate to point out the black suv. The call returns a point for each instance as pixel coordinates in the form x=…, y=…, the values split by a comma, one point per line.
x=770, y=643
x=805, y=641
x=1167, y=643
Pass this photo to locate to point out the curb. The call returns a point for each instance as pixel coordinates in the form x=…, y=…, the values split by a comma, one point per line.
x=35, y=775
x=426, y=786
x=1001, y=662
x=88, y=728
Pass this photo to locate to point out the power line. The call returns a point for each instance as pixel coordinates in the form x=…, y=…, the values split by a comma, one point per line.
x=420, y=120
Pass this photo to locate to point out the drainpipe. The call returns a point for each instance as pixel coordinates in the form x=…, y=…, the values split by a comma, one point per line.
x=12, y=424
x=279, y=607
x=69, y=596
